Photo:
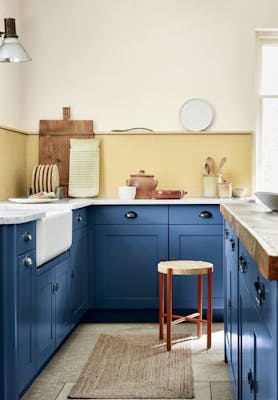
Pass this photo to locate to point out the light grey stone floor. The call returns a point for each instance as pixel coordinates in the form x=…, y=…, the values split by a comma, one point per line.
x=211, y=374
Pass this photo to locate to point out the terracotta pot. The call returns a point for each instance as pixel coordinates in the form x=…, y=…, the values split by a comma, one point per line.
x=144, y=184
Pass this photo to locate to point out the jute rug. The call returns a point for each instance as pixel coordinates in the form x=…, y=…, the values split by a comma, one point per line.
x=136, y=366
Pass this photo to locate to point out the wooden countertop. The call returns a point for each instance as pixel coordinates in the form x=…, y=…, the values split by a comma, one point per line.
x=257, y=228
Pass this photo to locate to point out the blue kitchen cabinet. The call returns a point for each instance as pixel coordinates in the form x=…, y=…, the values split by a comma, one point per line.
x=126, y=265
x=129, y=242
x=17, y=299
x=231, y=304
x=196, y=233
x=26, y=318
x=250, y=324
x=52, y=306
x=256, y=350
x=79, y=274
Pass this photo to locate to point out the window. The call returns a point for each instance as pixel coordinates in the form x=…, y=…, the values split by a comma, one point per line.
x=267, y=127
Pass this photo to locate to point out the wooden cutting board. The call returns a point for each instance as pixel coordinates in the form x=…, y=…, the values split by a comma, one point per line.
x=54, y=143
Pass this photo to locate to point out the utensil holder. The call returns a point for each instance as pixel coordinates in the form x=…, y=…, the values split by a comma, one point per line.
x=210, y=185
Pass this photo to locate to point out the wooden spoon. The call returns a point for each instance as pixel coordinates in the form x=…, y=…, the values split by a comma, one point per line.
x=221, y=165
x=209, y=165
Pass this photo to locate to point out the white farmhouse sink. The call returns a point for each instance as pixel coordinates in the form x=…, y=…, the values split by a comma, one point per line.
x=54, y=231
x=54, y=235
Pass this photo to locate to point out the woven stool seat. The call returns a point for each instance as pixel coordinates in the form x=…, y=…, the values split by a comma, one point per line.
x=185, y=267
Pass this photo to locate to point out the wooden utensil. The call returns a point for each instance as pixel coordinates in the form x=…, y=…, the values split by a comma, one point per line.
x=221, y=165
x=209, y=166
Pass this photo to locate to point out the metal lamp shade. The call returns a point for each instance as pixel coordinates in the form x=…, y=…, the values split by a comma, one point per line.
x=11, y=51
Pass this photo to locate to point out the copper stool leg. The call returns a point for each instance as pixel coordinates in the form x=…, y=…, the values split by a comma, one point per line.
x=209, y=312
x=161, y=305
x=169, y=307
x=200, y=305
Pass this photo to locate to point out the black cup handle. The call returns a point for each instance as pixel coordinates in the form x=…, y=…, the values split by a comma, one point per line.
x=131, y=214
x=205, y=214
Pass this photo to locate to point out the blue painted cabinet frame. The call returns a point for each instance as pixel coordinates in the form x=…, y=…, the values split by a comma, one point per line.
x=79, y=273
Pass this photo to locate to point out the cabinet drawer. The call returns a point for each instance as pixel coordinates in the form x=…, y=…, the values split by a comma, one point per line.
x=262, y=291
x=131, y=215
x=26, y=237
x=195, y=214
x=230, y=243
x=80, y=217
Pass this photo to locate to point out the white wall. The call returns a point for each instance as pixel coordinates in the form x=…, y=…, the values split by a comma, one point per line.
x=10, y=74
x=127, y=63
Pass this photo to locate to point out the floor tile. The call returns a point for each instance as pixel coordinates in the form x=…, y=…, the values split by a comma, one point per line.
x=221, y=390
x=43, y=392
x=202, y=391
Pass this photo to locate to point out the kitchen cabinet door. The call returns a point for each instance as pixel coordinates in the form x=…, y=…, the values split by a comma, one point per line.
x=26, y=318
x=231, y=304
x=256, y=352
x=62, y=303
x=79, y=274
x=197, y=242
x=45, y=314
x=126, y=259
x=52, y=306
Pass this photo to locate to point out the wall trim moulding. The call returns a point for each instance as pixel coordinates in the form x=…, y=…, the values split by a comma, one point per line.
x=203, y=133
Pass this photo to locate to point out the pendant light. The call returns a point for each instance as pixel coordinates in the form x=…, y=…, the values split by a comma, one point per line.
x=11, y=51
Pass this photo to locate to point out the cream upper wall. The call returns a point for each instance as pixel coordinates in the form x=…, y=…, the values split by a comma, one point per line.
x=10, y=74
x=127, y=63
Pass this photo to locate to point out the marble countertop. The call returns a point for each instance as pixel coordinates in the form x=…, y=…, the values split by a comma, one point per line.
x=257, y=228
x=17, y=213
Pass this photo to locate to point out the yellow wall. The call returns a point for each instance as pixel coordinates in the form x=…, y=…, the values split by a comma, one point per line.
x=12, y=164
x=176, y=160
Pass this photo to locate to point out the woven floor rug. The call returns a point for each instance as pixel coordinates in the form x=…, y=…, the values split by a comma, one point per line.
x=136, y=367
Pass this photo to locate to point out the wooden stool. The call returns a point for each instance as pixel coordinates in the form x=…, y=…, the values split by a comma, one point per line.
x=184, y=267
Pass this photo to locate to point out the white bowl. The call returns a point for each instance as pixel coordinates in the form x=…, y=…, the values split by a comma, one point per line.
x=127, y=192
x=269, y=199
x=239, y=192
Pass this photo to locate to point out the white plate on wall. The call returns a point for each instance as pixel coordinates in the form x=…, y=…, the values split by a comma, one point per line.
x=196, y=115
x=26, y=200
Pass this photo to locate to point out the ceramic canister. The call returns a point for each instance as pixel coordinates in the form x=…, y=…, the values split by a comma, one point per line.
x=210, y=185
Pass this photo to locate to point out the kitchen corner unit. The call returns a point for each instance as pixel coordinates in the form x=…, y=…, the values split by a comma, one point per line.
x=109, y=270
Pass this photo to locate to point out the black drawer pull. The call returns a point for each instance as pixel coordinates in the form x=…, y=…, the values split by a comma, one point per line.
x=250, y=380
x=260, y=291
x=205, y=214
x=131, y=214
x=243, y=265
x=79, y=218
x=233, y=245
x=226, y=233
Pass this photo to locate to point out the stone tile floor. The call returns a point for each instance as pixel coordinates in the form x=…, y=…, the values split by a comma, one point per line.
x=211, y=374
